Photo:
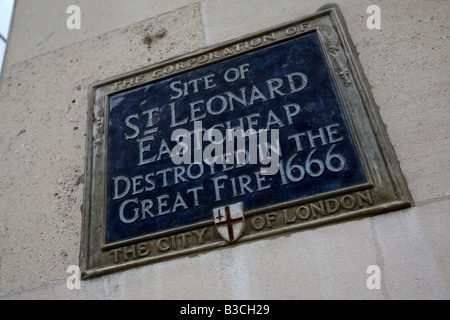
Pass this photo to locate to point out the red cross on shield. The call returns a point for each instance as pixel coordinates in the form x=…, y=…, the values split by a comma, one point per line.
x=230, y=221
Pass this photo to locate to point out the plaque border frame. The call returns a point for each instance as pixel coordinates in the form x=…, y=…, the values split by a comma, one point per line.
x=376, y=153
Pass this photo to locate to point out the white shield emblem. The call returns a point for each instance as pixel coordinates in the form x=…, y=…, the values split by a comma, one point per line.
x=230, y=221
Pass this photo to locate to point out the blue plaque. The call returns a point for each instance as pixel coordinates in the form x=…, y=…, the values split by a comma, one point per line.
x=285, y=86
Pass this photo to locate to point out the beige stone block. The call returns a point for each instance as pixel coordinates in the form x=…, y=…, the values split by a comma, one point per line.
x=40, y=31
x=326, y=264
x=225, y=20
x=42, y=150
x=414, y=253
x=407, y=65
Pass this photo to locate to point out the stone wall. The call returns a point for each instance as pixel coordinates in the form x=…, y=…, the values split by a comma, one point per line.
x=43, y=105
